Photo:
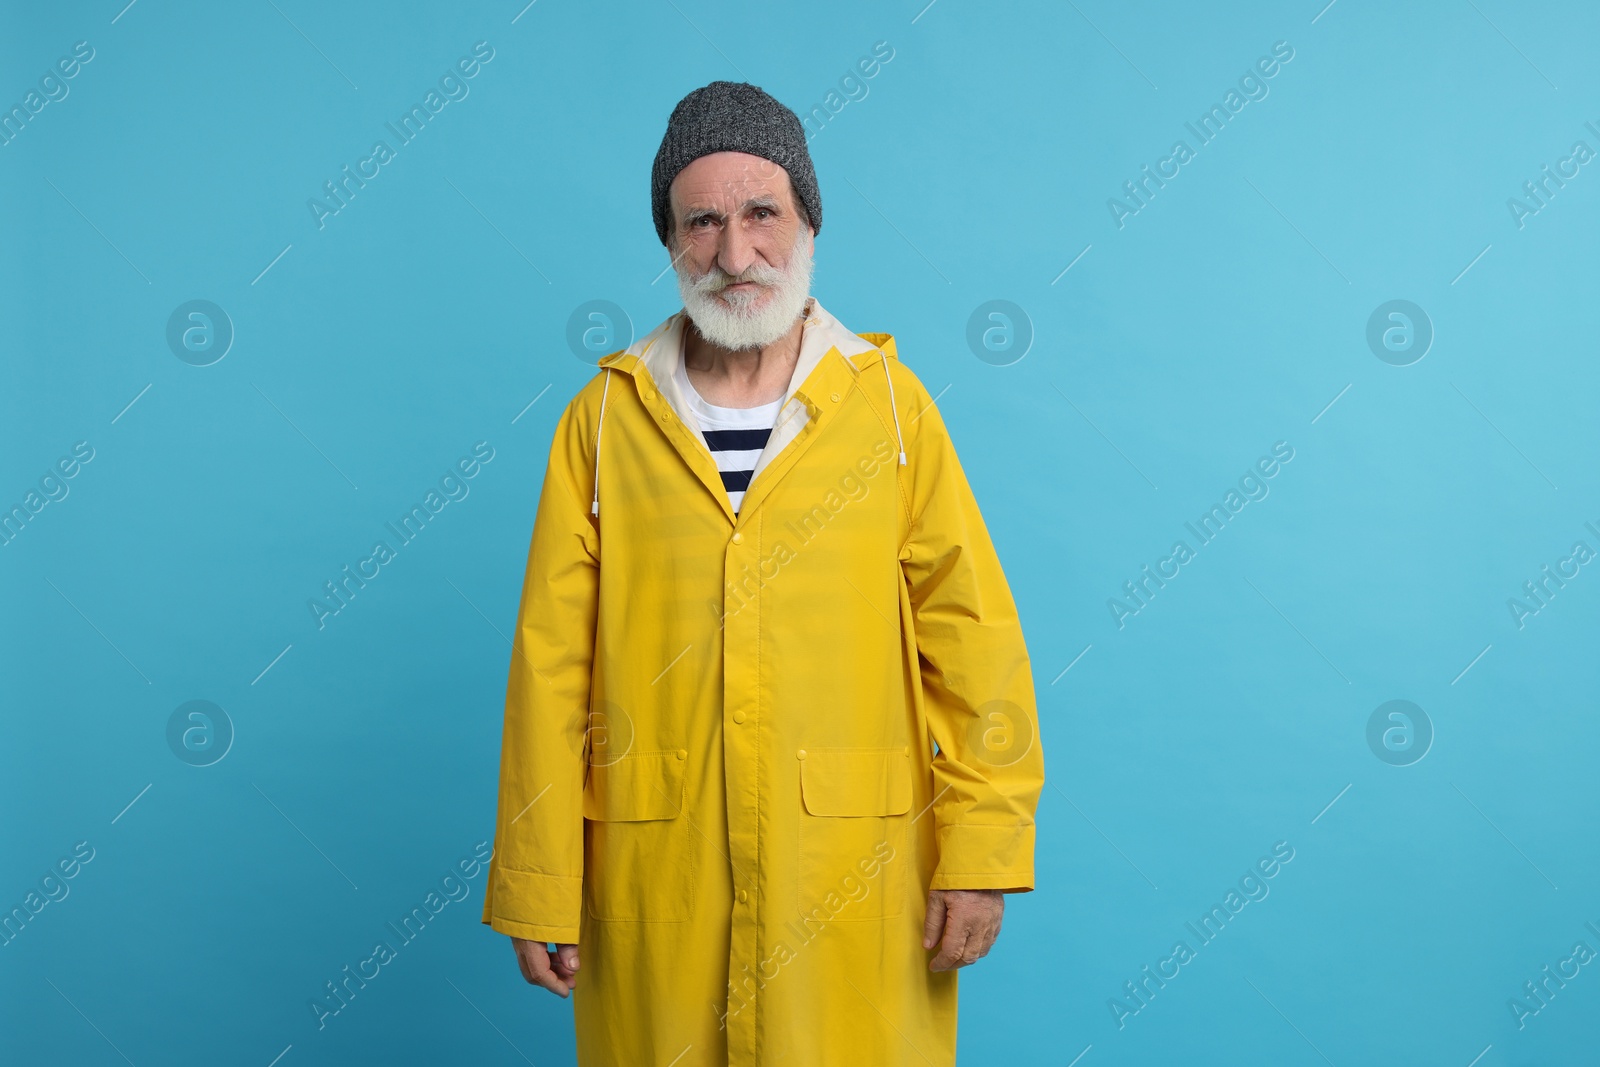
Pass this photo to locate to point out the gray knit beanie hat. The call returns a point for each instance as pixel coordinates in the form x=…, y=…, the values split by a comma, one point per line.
x=733, y=117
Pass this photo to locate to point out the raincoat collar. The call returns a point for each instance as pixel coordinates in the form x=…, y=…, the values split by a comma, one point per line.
x=821, y=372
x=661, y=351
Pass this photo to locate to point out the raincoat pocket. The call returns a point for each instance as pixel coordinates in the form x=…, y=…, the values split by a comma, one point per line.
x=639, y=859
x=853, y=858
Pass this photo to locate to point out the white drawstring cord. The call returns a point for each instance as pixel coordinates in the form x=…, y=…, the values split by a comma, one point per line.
x=594, y=507
x=892, y=410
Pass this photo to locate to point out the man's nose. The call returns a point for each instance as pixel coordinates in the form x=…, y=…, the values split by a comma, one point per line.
x=735, y=252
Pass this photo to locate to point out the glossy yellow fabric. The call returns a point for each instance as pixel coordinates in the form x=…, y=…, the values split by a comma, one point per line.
x=745, y=853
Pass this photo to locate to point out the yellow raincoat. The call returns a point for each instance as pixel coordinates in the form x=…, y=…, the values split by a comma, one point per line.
x=719, y=774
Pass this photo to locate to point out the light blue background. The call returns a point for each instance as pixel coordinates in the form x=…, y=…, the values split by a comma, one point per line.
x=1223, y=317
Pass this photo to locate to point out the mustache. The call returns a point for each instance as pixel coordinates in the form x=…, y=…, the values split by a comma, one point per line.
x=716, y=279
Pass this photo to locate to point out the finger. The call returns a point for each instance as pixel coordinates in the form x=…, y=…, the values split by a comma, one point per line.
x=551, y=981
x=564, y=964
x=982, y=947
x=543, y=975
x=994, y=935
x=956, y=934
x=521, y=948
x=522, y=966
x=983, y=940
x=972, y=947
x=934, y=923
x=949, y=957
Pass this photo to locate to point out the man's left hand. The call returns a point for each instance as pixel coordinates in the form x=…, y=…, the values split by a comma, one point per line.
x=963, y=923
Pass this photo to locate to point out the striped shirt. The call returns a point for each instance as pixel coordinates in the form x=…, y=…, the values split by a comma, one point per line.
x=735, y=436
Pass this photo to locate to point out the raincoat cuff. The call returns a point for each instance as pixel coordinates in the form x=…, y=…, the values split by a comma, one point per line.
x=560, y=935
x=533, y=905
x=1005, y=881
x=973, y=856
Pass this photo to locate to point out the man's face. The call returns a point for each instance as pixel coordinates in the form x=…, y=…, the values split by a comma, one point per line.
x=735, y=212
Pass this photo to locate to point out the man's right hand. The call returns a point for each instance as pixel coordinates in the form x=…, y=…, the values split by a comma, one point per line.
x=557, y=971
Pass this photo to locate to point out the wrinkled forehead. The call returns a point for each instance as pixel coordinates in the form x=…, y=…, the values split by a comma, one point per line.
x=725, y=181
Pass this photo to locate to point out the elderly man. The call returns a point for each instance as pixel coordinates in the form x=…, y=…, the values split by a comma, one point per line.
x=771, y=754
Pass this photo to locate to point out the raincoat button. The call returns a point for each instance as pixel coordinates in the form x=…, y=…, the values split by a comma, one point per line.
x=904, y=751
x=801, y=754
x=738, y=537
x=738, y=716
x=743, y=896
x=835, y=398
x=683, y=753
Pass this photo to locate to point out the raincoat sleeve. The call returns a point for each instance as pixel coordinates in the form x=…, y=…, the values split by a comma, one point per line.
x=535, y=884
x=977, y=684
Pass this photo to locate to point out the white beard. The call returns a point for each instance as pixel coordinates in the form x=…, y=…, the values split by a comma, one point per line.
x=729, y=320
